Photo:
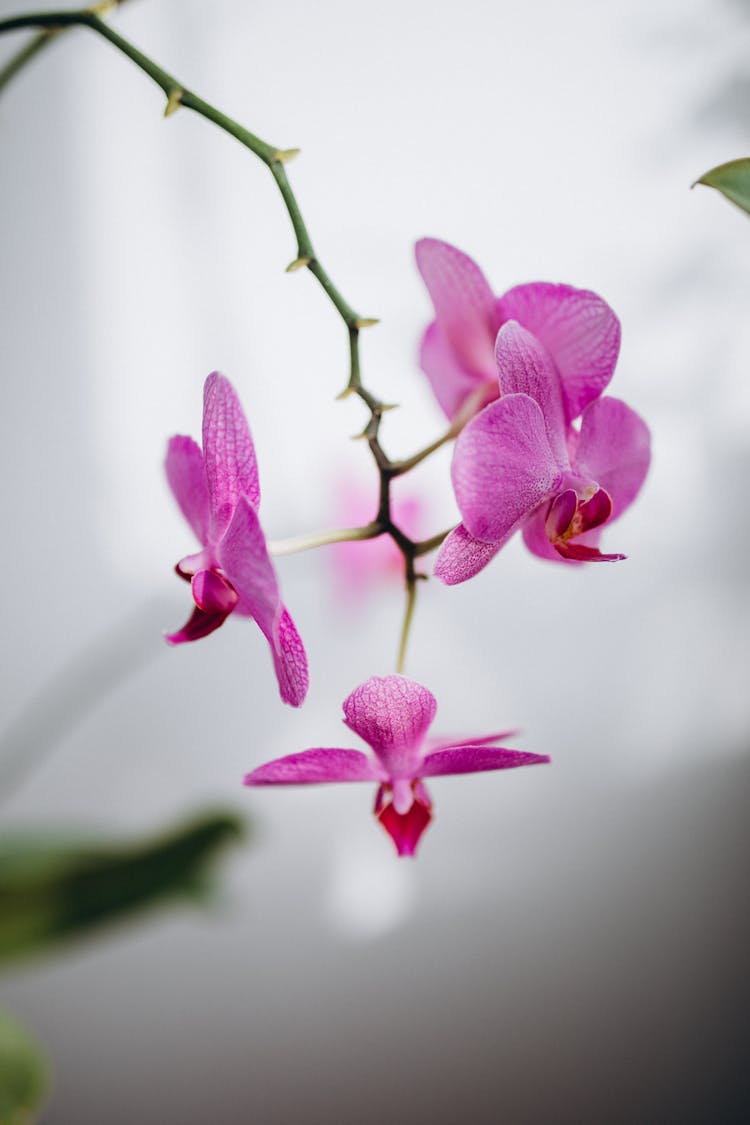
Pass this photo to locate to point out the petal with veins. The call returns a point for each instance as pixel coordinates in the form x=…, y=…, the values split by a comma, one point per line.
x=243, y=556
x=451, y=382
x=475, y=759
x=503, y=467
x=464, y=303
x=578, y=329
x=228, y=452
x=462, y=556
x=615, y=449
x=316, y=767
x=392, y=714
x=525, y=367
x=187, y=479
x=290, y=661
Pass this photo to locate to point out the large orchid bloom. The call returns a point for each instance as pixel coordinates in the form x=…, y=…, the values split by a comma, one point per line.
x=392, y=715
x=578, y=330
x=518, y=464
x=219, y=495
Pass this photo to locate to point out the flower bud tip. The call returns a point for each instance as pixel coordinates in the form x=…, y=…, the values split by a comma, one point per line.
x=298, y=264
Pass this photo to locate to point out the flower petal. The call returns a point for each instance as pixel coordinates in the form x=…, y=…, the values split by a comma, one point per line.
x=525, y=367
x=473, y=759
x=290, y=661
x=315, y=767
x=243, y=556
x=615, y=449
x=392, y=714
x=405, y=829
x=199, y=625
x=462, y=556
x=187, y=479
x=578, y=329
x=451, y=382
x=464, y=303
x=436, y=744
x=212, y=593
x=228, y=452
x=503, y=467
x=536, y=539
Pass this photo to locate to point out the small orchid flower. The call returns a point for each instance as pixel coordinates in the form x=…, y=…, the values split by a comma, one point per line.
x=579, y=331
x=392, y=715
x=219, y=495
x=518, y=464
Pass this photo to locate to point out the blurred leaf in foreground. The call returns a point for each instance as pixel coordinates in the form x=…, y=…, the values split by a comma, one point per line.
x=53, y=888
x=23, y=1074
x=732, y=180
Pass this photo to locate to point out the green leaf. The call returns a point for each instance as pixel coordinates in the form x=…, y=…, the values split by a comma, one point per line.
x=54, y=888
x=732, y=180
x=23, y=1074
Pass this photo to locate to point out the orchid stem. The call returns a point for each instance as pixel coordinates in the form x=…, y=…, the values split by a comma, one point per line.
x=411, y=597
x=278, y=547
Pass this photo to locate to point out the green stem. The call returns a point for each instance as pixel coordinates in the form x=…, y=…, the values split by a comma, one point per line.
x=24, y=56
x=178, y=95
x=278, y=547
x=411, y=597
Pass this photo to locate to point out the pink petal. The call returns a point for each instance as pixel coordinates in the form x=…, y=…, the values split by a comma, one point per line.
x=574, y=551
x=405, y=829
x=464, y=303
x=536, y=539
x=228, y=451
x=615, y=449
x=503, y=467
x=436, y=744
x=187, y=479
x=462, y=556
x=199, y=625
x=473, y=759
x=561, y=511
x=290, y=661
x=243, y=557
x=212, y=593
x=314, y=767
x=578, y=329
x=451, y=382
x=392, y=714
x=525, y=367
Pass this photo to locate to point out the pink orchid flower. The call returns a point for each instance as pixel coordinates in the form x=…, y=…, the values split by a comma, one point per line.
x=579, y=331
x=392, y=715
x=219, y=495
x=518, y=464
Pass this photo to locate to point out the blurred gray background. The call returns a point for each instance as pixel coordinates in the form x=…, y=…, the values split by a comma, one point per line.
x=571, y=943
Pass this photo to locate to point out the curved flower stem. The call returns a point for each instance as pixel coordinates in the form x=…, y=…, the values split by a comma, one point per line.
x=411, y=597
x=278, y=547
x=428, y=545
x=179, y=96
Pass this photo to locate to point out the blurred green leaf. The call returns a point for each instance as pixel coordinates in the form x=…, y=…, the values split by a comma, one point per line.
x=23, y=1074
x=54, y=888
x=732, y=180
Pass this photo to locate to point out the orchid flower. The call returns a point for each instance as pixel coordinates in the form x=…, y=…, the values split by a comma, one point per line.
x=219, y=495
x=579, y=331
x=518, y=464
x=392, y=715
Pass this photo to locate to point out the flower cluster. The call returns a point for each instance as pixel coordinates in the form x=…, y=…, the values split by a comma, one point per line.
x=529, y=364
x=538, y=449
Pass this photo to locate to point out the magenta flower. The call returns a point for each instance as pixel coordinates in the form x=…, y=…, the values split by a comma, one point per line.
x=577, y=328
x=392, y=715
x=519, y=464
x=219, y=495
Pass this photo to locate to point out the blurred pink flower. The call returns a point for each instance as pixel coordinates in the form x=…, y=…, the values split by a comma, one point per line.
x=392, y=715
x=219, y=495
x=359, y=564
x=519, y=464
x=579, y=331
